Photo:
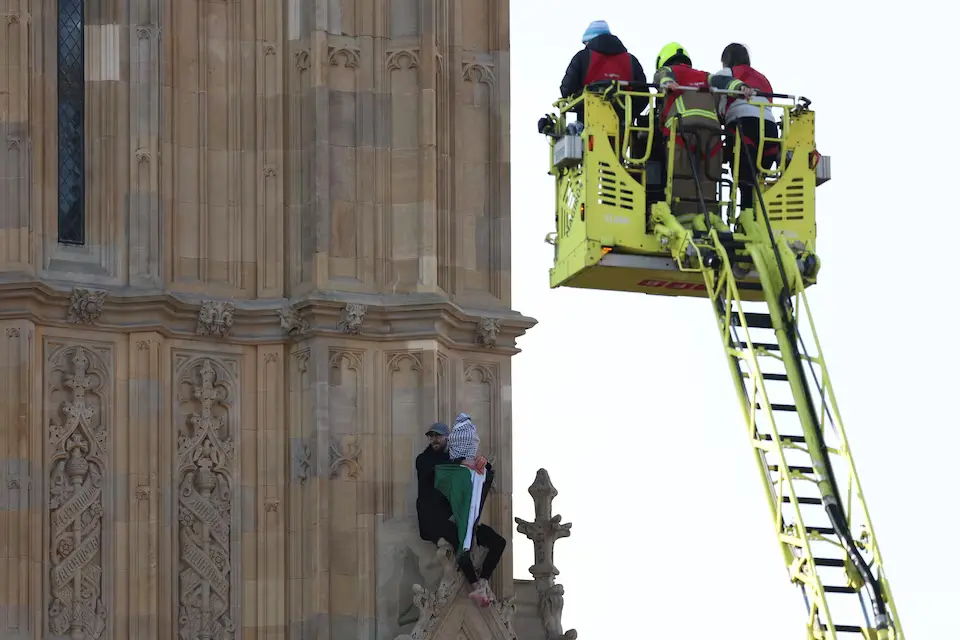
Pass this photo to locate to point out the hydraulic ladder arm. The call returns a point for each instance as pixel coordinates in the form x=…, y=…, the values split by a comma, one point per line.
x=615, y=232
x=813, y=489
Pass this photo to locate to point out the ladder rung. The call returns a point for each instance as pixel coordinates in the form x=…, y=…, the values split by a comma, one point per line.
x=750, y=286
x=792, y=468
x=754, y=320
x=824, y=531
x=789, y=437
x=831, y=589
x=803, y=500
x=769, y=376
x=769, y=346
x=780, y=407
x=828, y=562
x=849, y=628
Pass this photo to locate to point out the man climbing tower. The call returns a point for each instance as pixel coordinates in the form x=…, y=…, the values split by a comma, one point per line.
x=434, y=509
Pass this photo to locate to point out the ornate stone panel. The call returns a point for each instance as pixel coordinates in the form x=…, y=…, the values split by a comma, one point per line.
x=206, y=507
x=79, y=402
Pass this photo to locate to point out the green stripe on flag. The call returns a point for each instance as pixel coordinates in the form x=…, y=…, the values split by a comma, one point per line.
x=455, y=482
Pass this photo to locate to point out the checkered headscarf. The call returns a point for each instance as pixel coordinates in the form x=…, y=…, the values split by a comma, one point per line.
x=464, y=441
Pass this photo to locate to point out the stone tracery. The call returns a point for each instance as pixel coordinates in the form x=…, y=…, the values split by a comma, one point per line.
x=205, y=507
x=78, y=445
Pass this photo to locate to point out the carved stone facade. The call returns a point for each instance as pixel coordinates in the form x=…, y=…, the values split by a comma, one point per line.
x=291, y=253
x=78, y=463
x=206, y=511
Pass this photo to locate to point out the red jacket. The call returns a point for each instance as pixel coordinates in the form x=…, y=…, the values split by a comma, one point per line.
x=696, y=108
x=609, y=67
x=751, y=77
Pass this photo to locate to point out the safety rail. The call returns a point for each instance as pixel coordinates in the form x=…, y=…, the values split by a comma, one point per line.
x=623, y=95
x=784, y=122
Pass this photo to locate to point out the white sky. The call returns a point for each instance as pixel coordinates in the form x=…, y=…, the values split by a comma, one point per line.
x=627, y=400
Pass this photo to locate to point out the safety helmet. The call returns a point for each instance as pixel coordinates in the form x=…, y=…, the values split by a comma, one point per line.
x=672, y=49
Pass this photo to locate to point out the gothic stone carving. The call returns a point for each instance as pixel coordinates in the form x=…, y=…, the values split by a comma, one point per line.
x=507, y=610
x=351, y=317
x=216, y=318
x=302, y=461
x=545, y=530
x=78, y=445
x=487, y=331
x=346, y=455
x=474, y=71
x=346, y=57
x=86, y=305
x=431, y=604
x=550, y=608
x=301, y=60
x=205, y=506
x=403, y=59
x=292, y=321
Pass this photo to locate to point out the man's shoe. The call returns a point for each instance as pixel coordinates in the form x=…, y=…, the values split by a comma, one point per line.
x=482, y=593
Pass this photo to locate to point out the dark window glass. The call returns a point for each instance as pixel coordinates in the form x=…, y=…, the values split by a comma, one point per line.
x=70, y=219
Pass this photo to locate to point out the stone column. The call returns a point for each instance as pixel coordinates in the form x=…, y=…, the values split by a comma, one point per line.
x=21, y=450
x=271, y=428
x=146, y=423
x=16, y=154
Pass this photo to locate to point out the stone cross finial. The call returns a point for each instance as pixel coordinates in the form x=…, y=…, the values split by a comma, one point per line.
x=545, y=530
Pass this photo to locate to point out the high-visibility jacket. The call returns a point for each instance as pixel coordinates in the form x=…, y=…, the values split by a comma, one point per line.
x=697, y=109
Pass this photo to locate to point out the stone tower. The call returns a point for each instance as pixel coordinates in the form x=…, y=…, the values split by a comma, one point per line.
x=249, y=249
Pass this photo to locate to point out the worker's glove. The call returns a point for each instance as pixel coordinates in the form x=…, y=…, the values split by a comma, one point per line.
x=748, y=92
x=670, y=86
x=545, y=125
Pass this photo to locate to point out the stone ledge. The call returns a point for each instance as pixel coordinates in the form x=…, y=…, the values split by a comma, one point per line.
x=376, y=318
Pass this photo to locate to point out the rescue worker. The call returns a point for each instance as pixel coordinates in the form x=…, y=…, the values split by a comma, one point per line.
x=434, y=513
x=698, y=129
x=736, y=111
x=603, y=57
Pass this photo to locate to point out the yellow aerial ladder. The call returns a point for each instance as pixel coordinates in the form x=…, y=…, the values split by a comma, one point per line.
x=619, y=227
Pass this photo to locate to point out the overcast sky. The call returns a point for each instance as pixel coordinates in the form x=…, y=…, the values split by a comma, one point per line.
x=627, y=400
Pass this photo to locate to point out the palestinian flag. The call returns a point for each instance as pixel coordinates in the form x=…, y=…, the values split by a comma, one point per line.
x=463, y=487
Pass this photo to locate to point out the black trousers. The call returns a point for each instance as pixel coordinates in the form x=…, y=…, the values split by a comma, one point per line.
x=750, y=132
x=485, y=536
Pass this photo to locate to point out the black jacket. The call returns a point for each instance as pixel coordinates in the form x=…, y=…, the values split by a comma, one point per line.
x=433, y=506
x=575, y=77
